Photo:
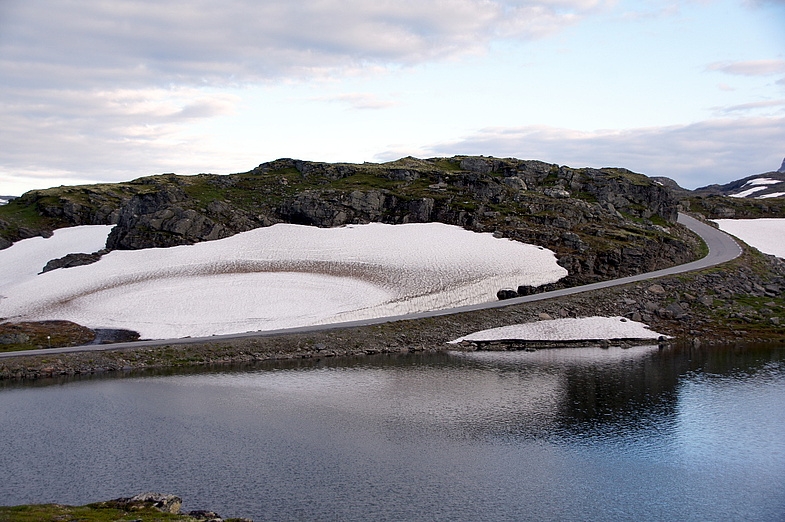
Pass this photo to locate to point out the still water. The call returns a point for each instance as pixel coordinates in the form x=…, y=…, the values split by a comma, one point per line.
x=565, y=434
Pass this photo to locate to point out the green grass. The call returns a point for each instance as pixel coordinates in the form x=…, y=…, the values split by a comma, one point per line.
x=88, y=513
x=448, y=164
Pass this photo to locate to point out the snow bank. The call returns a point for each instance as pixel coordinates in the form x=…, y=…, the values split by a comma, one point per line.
x=765, y=234
x=281, y=276
x=26, y=258
x=570, y=329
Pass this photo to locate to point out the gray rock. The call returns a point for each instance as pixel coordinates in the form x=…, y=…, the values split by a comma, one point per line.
x=72, y=260
x=506, y=293
x=675, y=310
x=478, y=165
x=14, y=338
x=556, y=192
x=656, y=289
x=161, y=502
x=203, y=515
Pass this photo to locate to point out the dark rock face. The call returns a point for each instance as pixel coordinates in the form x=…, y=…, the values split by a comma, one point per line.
x=506, y=293
x=782, y=167
x=72, y=260
x=111, y=335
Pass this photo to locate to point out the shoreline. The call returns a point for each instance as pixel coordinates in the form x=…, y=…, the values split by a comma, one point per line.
x=742, y=301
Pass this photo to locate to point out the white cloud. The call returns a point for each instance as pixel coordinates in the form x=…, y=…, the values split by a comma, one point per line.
x=73, y=136
x=713, y=151
x=151, y=42
x=766, y=104
x=750, y=68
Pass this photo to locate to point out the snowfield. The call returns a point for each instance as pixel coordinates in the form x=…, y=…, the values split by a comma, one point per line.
x=23, y=260
x=755, y=185
x=765, y=234
x=569, y=329
x=269, y=278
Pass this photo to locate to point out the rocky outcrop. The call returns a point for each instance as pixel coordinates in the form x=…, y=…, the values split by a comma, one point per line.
x=598, y=221
x=170, y=504
x=72, y=260
x=158, y=501
x=722, y=207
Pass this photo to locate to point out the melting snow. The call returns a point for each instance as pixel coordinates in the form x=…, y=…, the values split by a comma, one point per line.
x=570, y=329
x=763, y=181
x=755, y=185
x=772, y=195
x=747, y=192
x=268, y=278
x=765, y=234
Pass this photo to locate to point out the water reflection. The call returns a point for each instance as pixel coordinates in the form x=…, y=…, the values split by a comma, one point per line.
x=642, y=433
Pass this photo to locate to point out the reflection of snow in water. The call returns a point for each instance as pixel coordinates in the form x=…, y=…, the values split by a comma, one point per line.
x=276, y=277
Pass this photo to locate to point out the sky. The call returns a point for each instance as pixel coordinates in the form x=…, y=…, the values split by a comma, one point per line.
x=98, y=91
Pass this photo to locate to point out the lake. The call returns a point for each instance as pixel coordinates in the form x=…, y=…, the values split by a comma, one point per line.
x=561, y=434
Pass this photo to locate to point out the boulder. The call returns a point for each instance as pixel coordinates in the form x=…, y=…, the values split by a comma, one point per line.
x=159, y=501
x=478, y=165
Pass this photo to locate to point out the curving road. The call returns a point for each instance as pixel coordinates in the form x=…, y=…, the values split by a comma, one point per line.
x=722, y=248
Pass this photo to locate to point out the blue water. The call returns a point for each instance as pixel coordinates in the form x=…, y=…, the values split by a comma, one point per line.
x=567, y=434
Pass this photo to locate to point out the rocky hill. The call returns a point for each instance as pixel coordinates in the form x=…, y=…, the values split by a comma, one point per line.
x=602, y=223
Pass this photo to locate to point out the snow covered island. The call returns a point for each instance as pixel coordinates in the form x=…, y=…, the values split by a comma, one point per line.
x=568, y=330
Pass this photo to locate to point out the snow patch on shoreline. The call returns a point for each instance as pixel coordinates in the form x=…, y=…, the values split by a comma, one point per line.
x=568, y=329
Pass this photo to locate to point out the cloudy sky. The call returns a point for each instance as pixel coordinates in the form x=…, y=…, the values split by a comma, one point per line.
x=96, y=90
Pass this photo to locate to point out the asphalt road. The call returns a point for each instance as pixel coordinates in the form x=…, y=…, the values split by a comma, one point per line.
x=722, y=248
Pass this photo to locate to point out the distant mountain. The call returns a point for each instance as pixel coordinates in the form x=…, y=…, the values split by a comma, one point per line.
x=5, y=199
x=756, y=196
x=757, y=186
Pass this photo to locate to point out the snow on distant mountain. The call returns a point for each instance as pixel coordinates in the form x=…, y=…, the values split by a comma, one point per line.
x=759, y=186
x=755, y=187
x=5, y=199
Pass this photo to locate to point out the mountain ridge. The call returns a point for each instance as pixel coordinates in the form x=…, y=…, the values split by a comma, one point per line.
x=602, y=223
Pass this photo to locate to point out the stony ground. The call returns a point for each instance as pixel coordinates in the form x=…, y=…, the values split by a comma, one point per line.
x=741, y=301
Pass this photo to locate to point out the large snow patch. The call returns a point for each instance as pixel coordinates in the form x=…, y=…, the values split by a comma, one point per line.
x=282, y=276
x=765, y=234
